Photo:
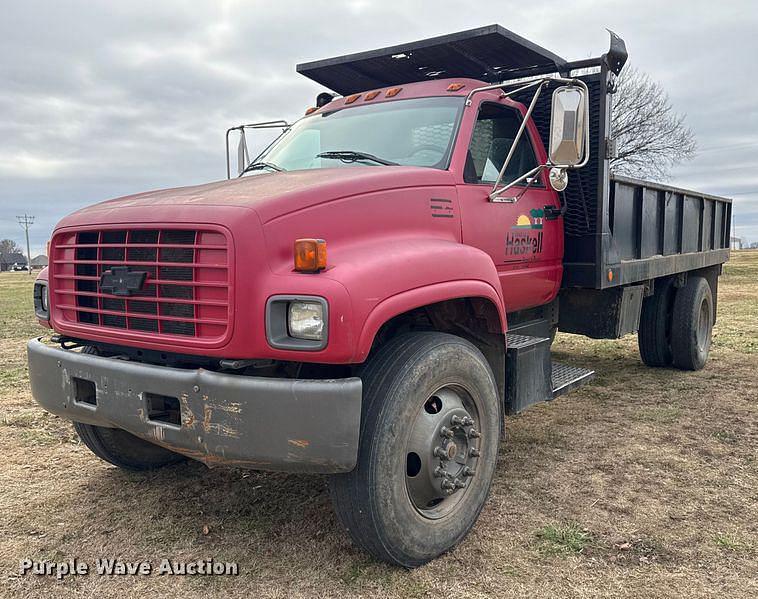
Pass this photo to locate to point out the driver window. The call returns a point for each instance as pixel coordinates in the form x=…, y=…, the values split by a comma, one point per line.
x=494, y=132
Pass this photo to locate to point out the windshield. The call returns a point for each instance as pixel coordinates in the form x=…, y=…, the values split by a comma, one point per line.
x=416, y=132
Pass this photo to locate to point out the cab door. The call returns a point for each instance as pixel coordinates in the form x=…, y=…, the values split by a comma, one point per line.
x=524, y=237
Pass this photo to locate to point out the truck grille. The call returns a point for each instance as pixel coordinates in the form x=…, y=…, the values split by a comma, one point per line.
x=185, y=291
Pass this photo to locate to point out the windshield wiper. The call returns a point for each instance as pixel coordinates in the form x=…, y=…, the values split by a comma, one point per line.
x=254, y=166
x=353, y=156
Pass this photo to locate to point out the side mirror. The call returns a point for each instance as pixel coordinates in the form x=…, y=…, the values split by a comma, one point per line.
x=568, y=126
x=243, y=158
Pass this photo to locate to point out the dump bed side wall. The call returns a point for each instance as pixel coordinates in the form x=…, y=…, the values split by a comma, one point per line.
x=658, y=230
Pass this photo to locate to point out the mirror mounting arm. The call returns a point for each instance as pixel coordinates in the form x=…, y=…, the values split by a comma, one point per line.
x=495, y=191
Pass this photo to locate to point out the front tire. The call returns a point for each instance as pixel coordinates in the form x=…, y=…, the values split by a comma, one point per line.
x=123, y=449
x=429, y=440
x=120, y=448
x=692, y=324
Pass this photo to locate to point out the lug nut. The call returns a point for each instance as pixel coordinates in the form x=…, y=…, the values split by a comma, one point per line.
x=467, y=421
x=474, y=434
x=459, y=484
x=446, y=432
x=447, y=485
x=456, y=420
x=474, y=452
x=440, y=453
x=468, y=471
x=439, y=472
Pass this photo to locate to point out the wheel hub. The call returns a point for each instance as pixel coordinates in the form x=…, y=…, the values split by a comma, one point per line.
x=442, y=452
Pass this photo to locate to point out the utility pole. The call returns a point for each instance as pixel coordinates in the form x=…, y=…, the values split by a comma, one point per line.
x=27, y=221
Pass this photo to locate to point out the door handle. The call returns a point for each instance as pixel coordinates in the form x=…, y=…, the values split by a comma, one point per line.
x=551, y=212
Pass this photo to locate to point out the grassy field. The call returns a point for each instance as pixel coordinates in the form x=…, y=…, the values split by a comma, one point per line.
x=642, y=484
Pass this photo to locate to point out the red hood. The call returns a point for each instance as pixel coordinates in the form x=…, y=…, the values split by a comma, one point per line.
x=274, y=194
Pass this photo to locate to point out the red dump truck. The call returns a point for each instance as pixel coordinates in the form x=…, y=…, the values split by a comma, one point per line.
x=374, y=292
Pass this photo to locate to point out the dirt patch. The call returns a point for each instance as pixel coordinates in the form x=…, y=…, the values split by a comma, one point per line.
x=644, y=484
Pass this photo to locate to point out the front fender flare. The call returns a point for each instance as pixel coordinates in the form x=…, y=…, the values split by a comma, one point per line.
x=424, y=296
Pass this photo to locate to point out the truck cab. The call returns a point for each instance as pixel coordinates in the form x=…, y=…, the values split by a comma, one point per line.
x=371, y=294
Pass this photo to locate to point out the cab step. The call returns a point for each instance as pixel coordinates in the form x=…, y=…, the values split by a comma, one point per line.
x=531, y=375
x=566, y=378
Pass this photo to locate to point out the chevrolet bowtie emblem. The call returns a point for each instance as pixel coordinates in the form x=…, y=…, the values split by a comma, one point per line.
x=119, y=280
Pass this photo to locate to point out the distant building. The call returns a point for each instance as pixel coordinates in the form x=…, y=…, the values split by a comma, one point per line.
x=735, y=243
x=8, y=259
x=39, y=262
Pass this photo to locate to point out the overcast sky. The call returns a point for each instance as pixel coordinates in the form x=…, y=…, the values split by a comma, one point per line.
x=102, y=99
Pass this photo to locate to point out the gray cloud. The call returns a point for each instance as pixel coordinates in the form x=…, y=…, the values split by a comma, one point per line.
x=103, y=99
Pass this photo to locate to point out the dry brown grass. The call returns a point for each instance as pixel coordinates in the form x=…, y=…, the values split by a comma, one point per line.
x=644, y=484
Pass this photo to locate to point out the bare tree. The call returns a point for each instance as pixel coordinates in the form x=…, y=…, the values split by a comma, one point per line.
x=8, y=246
x=651, y=137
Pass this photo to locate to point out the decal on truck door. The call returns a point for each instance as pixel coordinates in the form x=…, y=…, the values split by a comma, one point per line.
x=525, y=237
x=441, y=208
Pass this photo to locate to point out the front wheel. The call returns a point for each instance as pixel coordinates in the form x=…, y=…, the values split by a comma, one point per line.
x=123, y=449
x=429, y=440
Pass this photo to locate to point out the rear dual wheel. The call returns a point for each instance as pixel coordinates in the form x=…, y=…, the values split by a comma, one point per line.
x=692, y=324
x=676, y=325
x=429, y=441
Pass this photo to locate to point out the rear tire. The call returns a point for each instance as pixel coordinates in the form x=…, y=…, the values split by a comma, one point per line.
x=654, y=335
x=429, y=440
x=123, y=449
x=692, y=324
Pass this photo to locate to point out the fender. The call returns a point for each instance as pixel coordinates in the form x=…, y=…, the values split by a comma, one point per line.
x=389, y=276
x=423, y=296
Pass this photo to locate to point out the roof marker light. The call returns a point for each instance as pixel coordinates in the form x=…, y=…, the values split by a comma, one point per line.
x=454, y=87
x=371, y=95
x=392, y=92
x=311, y=110
x=351, y=99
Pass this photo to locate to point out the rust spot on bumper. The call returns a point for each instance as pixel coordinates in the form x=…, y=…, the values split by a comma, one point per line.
x=299, y=442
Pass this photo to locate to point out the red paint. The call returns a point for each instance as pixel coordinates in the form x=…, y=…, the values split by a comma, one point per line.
x=386, y=252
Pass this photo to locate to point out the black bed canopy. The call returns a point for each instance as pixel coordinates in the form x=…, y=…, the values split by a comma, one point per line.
x=490, y=53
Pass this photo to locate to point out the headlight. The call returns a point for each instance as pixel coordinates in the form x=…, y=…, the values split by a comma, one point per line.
x=305, y=320
x=44, y=298
x=297, y=322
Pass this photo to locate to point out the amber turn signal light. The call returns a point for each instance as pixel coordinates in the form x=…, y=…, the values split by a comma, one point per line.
x=310, y=255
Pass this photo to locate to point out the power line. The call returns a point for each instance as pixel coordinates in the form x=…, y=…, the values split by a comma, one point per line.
x=27, y=221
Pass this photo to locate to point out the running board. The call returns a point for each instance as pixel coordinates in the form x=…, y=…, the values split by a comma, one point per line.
x=532, y=377
x=566, y=378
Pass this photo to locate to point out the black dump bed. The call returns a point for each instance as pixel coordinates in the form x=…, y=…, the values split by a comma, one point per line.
x=617, y=230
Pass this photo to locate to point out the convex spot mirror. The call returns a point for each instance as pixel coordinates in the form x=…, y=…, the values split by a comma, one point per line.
x=558, y=178
x=568, y=122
